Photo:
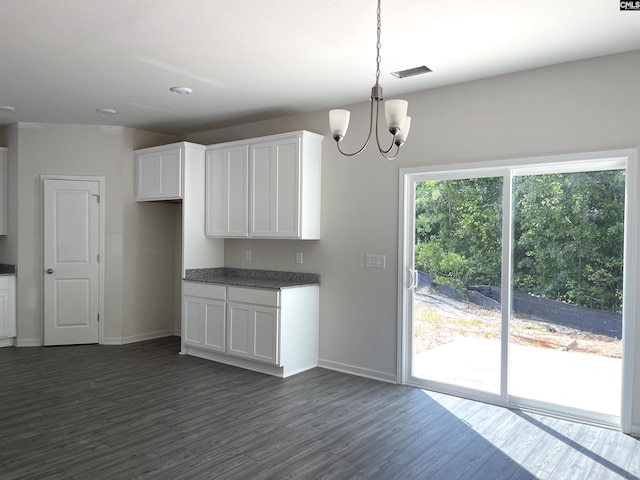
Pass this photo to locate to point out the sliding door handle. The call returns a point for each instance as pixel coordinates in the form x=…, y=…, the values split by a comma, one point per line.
x=413, y=283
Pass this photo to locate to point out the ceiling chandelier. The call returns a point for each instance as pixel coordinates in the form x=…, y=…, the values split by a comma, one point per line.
x=395, y=114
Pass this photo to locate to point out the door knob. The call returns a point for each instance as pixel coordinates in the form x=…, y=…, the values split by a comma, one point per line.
x=49, y=271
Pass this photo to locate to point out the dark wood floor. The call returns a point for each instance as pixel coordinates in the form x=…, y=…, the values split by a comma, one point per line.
x=143, y=411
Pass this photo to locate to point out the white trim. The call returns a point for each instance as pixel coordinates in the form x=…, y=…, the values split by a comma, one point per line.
x=507, y=268
x=464, y=170
x=7, y=342
x=139, y=338
x=100, y=179
x=358, y=371
x=28, y=342
x=147, y=336
x=234, y=361
x=589, y=161
x=630, y=302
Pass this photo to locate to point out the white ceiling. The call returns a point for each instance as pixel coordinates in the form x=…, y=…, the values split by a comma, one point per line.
x=249, y=60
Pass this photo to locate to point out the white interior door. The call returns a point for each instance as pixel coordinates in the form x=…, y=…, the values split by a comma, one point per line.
x=71, y=261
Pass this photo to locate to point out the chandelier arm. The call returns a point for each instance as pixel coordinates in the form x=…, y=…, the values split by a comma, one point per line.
x=393, y=139
x=368, y=136
x=391, y=157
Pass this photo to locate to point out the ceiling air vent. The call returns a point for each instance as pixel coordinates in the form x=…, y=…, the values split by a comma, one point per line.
x=411, y=72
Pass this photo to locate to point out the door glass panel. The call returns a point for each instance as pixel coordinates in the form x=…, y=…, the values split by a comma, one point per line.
x=456, y=324
x=566, y=320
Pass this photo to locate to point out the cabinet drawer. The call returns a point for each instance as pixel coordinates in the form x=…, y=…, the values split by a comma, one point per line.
x=255, y=296
x=206, y=290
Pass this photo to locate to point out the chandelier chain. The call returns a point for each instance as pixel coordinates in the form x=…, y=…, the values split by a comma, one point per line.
x=378, y=45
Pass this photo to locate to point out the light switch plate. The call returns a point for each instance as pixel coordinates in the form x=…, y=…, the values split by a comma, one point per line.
x=247, y=255
x=299, y=257
x=374, y=260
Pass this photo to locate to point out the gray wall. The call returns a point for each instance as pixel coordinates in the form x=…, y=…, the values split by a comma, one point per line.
x=581, y=106
x=140, y=245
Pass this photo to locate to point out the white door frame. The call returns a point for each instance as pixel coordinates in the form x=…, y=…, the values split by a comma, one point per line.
x=631, y=304
x=101, y=241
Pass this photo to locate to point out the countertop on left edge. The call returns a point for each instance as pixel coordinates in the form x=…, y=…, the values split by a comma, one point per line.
x=7, y=269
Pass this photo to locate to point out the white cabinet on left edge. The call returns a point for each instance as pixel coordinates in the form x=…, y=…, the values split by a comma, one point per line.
x=7, y=310
x=272, y=331
x=160, y=170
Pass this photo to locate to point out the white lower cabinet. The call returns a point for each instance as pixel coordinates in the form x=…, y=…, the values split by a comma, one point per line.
x=273, y=331
x=203, y=315
x=7, y=310
x=253, y=332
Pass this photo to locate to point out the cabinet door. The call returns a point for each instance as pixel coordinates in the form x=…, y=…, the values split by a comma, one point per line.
x=3, y=191
x=227, y=202
x=253, y=332
x=204, y=323
x=275, y=188
x=193, y=321
x=5, y=320
x=159, y=175
x=214, y=325
x=7, y=310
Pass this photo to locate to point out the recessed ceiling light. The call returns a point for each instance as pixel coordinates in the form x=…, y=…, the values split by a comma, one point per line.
x=106, y=111
x=7, y=108
x=411, y=72
x=181, y=90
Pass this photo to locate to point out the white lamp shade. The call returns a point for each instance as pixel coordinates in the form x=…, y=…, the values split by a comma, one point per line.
x=395, y=111
x=339, y=122
x=401, y=136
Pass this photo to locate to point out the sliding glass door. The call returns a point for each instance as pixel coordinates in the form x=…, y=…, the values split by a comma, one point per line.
x=565, y=326
x=513, y=283
x=458, y=242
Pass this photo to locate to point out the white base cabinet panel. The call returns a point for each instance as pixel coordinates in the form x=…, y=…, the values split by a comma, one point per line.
x=7, y=310
x=267, y=330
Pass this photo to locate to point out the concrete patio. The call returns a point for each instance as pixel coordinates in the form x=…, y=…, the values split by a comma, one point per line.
x=573, y=379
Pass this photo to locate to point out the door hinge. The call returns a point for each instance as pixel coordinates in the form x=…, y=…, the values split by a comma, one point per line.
x=98, y=257
x=97, y=198
x=98, y=317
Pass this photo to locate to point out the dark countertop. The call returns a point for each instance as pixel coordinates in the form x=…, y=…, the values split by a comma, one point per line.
x=7, y=269
x=242, y=277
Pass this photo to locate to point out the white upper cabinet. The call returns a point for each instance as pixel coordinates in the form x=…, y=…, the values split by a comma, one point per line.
x=227, y=192
x=160, y=171
x=267, y=187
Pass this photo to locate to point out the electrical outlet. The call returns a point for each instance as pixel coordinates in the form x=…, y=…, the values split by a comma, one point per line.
x=299, y=257
x=374, y=260
x=247, y=255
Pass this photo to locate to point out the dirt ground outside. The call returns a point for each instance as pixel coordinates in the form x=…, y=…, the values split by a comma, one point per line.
x=439, y=320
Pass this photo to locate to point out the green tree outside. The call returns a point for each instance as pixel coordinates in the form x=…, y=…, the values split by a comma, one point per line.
x=568, y=235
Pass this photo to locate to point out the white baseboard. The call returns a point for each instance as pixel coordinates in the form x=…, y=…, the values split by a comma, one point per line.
x=29, y=342
x=137, y=338
x=7, y=342
x=635, y=431
x=359, y=371
x=234, y=361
